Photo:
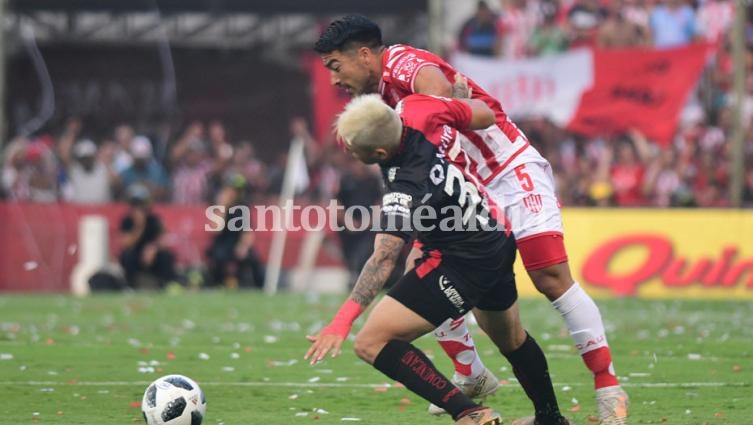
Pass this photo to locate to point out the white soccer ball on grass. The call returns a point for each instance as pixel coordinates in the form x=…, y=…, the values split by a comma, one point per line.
x=173, y=400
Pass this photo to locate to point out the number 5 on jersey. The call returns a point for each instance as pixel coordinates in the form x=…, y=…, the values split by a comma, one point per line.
x=526, y=182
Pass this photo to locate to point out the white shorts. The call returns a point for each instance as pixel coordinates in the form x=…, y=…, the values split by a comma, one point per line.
x=525, y=193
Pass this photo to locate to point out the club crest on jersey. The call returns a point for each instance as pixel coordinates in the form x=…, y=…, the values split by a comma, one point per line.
x=533, y=202
x=392, y=173
x=406, y=67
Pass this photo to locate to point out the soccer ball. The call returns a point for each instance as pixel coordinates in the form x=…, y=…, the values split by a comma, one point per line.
x=173, y=400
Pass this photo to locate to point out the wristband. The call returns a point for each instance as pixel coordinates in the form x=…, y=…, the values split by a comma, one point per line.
x=343, y=320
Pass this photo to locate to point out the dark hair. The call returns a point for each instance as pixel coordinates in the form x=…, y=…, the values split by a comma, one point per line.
x=350, y=29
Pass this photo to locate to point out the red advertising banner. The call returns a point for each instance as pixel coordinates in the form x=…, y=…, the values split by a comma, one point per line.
x=39, y=242
x=638, y=88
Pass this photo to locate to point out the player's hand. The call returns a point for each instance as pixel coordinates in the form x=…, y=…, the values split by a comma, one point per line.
x=460, y=89
x=326, y=341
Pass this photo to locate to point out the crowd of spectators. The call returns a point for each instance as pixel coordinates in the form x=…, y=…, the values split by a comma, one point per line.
x=202, y=166
x=188, y=170
x=630, y=170
x=523, y=28
x=627, y=170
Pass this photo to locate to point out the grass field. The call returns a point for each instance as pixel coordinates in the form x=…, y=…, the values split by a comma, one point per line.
x=87, y=361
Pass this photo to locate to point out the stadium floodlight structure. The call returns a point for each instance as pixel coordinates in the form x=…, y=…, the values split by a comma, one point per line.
x=204, y=23
x=279, y=29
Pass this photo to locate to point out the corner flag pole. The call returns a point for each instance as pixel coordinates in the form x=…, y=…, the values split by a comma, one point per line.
x=277, y=249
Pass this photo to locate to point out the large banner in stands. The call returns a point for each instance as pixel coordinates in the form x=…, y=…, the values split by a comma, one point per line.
x=659, y=253
x=595, y=92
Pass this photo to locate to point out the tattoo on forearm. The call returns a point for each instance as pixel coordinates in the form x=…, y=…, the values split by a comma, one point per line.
x=460, y=90
x=377, y=269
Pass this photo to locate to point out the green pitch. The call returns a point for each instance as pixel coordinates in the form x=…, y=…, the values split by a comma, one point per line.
x=87, y=361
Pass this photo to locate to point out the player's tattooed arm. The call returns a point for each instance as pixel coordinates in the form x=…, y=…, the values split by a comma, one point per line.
x=372, y=278
x=460, y=89
x=377, y=269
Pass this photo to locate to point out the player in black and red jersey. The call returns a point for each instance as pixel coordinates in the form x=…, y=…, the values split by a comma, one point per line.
x=466, y=264
x=515, y=176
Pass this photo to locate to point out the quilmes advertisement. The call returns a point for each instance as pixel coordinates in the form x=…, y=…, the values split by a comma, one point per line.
x=698, y=254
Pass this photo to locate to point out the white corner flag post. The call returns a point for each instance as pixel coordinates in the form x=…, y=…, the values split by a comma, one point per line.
x=277, y=249
x=93, y=252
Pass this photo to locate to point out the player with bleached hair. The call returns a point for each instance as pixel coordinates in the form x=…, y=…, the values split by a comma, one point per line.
x=466, y=264
x=516, y=177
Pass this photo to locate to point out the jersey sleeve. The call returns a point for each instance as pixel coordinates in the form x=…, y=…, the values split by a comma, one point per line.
x=430, y=114
x=402, y=197
x=407, y=186
x=404, y=69
x=459, y=113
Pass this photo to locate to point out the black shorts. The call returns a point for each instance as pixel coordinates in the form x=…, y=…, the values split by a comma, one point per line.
x=440, y=295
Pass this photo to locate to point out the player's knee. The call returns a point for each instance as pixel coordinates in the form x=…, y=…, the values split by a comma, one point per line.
x=552, y=281
x=509, y=341
x=367, y=347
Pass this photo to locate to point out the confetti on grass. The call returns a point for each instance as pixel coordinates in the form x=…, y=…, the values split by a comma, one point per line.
x=277, y=363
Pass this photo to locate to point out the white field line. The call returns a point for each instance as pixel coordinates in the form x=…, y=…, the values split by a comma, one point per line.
x=352, y=385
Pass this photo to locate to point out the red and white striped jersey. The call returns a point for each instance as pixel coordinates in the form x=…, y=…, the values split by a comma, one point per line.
x=492, y=150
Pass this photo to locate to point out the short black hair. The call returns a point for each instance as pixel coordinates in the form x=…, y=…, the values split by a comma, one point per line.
x=350, y=29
